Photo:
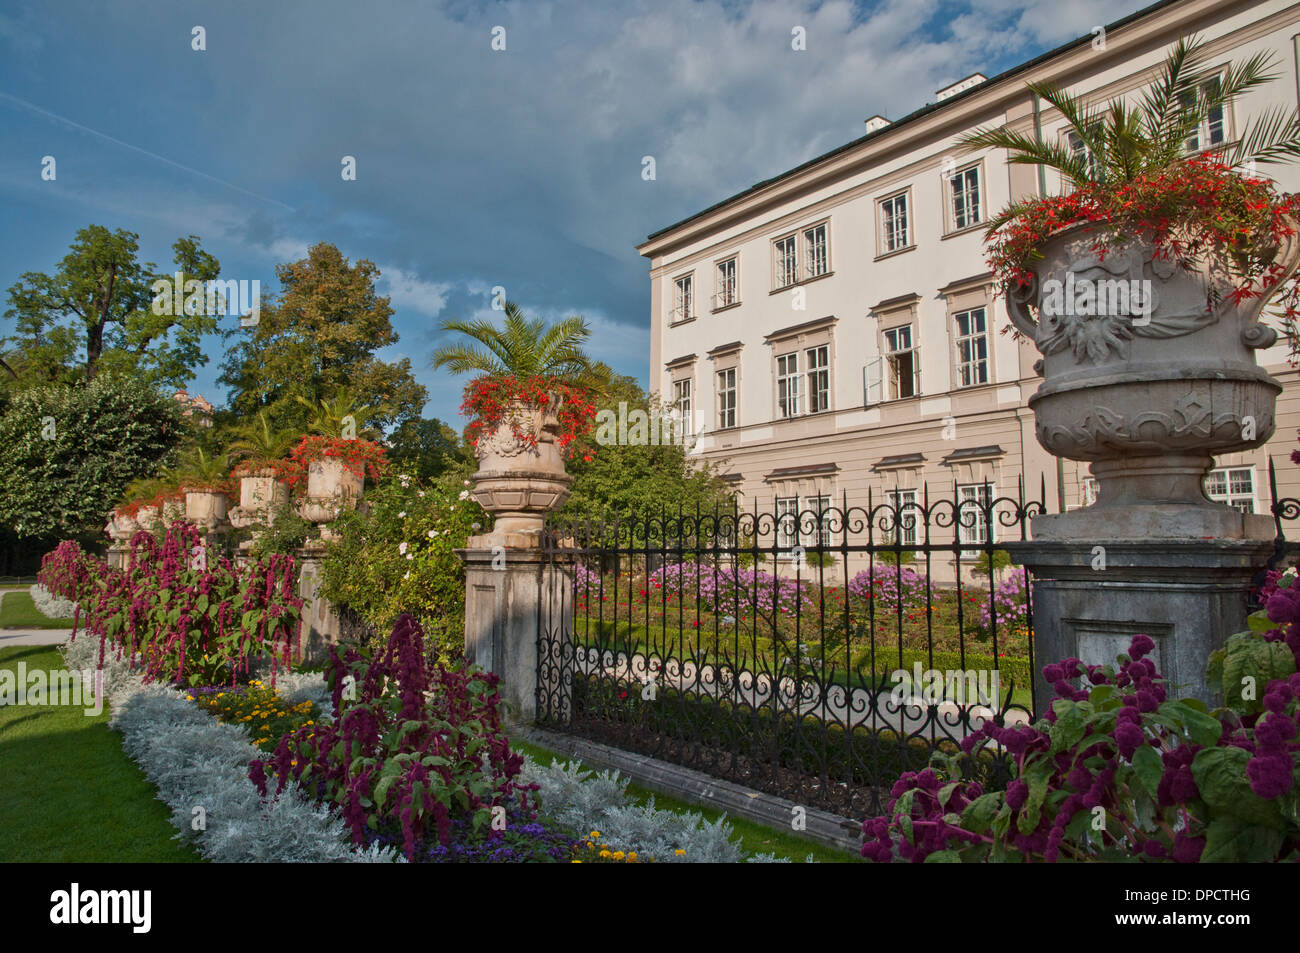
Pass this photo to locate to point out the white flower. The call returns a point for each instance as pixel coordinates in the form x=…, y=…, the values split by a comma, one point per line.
x=408, y=574
x=432, y=533
x=421, y=494
x=467, y=482
x=464, y=494
x=402, y=515
x=410, y=555
x=401, y=547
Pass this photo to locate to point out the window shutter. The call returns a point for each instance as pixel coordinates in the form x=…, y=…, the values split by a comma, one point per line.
x=873, y=375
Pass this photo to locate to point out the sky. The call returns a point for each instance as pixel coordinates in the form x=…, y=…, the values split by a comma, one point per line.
x=475, y=167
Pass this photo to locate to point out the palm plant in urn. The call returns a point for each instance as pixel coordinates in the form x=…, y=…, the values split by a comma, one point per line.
x=1142, y=287
x=529, y=407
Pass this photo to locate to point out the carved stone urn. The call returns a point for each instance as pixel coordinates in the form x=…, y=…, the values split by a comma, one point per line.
x=205, y=508
x=121, y=527
x=331, y=487
x=518, y=480
x=1148, y=371
x=172, y=510
x=259, y=493
x=147, y=517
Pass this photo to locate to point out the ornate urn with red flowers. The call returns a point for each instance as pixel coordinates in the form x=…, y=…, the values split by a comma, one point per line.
x=529, y=409
x=334, y=470
x=1142, y=288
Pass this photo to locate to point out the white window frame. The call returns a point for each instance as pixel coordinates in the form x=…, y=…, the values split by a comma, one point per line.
x=1204, y=139
x=956, y=185
x=905, y=509
x=887, y=211
x=1230, y=496
x=787, y=525
x=785, y=261
x=967, y=365
x=818, y=363
x=1075, y=145
x=683, y=298
x=727, y=394
x=683, y=419
x=973, y=529
x=893, y=337
x=787, y=385
x=816, y=250
x=820, y=504
x=726, y=281
x=1089, y=490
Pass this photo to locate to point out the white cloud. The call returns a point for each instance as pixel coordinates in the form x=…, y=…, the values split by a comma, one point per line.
x=410, y=291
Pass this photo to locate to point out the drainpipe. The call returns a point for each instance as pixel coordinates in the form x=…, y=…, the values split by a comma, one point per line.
x=1042, y=190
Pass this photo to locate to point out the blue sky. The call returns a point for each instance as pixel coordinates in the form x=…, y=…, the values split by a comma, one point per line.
x=475, y=167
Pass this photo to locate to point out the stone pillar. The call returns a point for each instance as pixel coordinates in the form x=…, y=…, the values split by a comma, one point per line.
x=518, y=624
x=320, y=621
x=1090, y=597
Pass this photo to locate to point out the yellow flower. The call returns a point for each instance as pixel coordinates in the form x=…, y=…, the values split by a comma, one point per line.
x=594, y=834
x=575, y=861
x=679, y=852
x=605, y=853
x=189, y=698
x=618, y=855
x=631, y=857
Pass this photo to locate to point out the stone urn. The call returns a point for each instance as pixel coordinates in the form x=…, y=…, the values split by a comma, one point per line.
x=147, y=517
x=172, y=510
x=518, y=480
x=1148, y=371
x=260, y=492
x=205, y=508
x=331, y=487
x=121, y=527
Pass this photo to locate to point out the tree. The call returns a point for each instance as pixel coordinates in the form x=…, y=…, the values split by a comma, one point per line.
x=318, y=338
x=101, y=301
x=521, y=349
x=68, y=453
x=1123, y=142
x=429, y=448
x=642, y=479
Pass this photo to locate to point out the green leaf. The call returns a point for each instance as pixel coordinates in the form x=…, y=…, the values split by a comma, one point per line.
x=1220, y=775
x=943, y=857
x=1032, y=810
x=1149, y=768
x=1201, y=728
x=980, y=812
x=1230, y=840
x=1071, y=722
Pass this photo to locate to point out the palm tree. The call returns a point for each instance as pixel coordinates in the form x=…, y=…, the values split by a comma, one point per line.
x=1115, y=146
x=523, y=348
x=330, y=415
x=260, y=442
x=197, y=468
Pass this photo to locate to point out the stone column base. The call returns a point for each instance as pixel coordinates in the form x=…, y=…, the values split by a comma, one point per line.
x=320, y=621
x=1187, y=595
x=518, y=622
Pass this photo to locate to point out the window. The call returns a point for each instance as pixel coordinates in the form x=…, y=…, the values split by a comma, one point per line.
x=1232, y=485
x=964, y=190
x=1088, y=491
x=682, y=420
x=1075, y=145
x=726, y=292
x=786, y=251
x=787, y=523
x=683, y=298
x=786, y=266
x=727, y=399
x=821, y=506
x=904, y=518
x=1213, y=130
x=973, y=525
x=816, y=251
x=904, y=369
x=819, y=379
x=894, y=229
x=787, y=384
x=972, y=348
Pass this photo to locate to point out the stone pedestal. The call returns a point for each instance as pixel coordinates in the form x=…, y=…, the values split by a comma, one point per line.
x=1090, y=597
x=320, y=621
x=518, y=624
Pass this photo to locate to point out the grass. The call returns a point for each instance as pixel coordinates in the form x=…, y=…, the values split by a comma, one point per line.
x=68, y=793
x=18, y=611
x=754, y=838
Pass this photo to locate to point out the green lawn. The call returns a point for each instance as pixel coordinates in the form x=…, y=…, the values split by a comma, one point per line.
x=67, y=791
x=754, y=838
x=18, y=611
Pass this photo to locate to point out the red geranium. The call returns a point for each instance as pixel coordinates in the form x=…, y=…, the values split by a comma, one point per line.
x=489, y=402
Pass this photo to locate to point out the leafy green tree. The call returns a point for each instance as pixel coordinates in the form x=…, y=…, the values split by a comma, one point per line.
x=67, y=454
x=429, y=449
x=521, y=348
x=625, y=479
x=99, y=303
x=317, y=339
x=1125, y=141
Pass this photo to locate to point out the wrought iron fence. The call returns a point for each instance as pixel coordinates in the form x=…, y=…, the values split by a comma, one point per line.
x=815, y=653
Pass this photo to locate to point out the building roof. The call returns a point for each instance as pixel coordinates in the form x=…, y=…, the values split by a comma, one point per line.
x=927, y=109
